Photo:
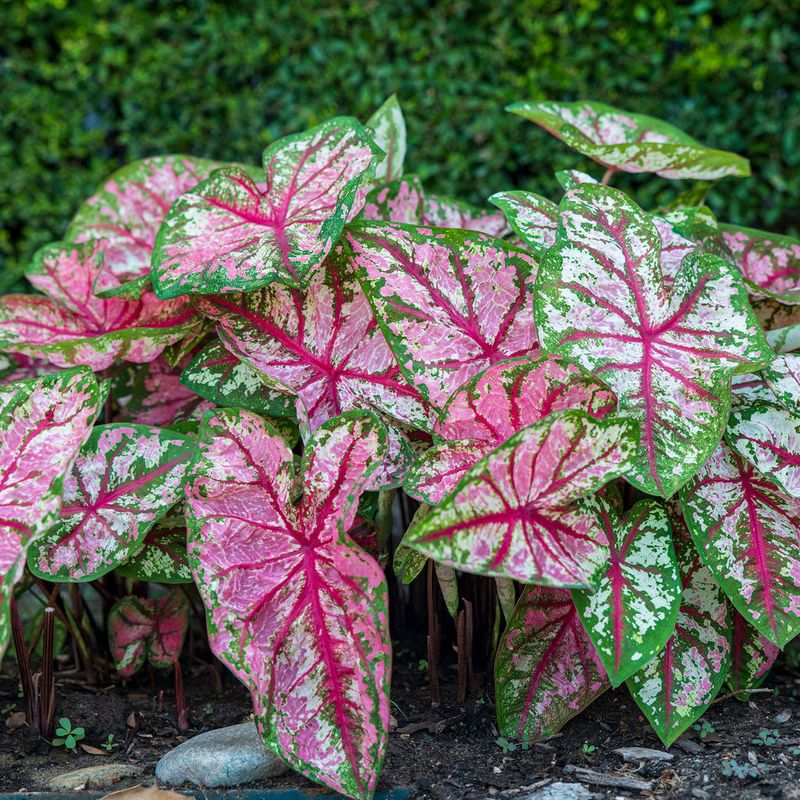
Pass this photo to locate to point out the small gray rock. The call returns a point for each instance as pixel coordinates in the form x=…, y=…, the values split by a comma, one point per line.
x=98, y=777
x=637, y=754
x=561, y=791
x=223, y=757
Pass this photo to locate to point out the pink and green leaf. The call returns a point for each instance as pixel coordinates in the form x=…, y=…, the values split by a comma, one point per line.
x=43, y=423
x=747, y=531
x=142, y=630
x=398, y=201
x=667, y=348
x=752, y=657
x=632, y=612
x=295, y=609
x=388, y=126
x=628, y=142
x=783, y=378
x=680, y=683
x=450, y=303
x=525, y=511
x=493, y=406
x=16, y=367
x=532, y=217
x=231, y=234
x=124, y=479
x=547, y=669
x=162, y=557
x=441, y=211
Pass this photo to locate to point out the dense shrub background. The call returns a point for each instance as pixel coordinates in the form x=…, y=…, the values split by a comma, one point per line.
x=88, y=86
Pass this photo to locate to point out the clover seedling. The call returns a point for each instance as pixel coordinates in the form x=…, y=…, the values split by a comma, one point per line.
x=67, y=736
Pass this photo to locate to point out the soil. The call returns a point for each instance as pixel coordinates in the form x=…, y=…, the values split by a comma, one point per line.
x=448, y=752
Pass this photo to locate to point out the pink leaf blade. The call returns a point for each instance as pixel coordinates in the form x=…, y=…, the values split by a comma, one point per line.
x=397, y=201
x=752, y=657
x=441, y=211
x=532, y=217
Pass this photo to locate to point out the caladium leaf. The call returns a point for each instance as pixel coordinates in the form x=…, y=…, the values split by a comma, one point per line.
x=219, y=376
x=450, y=302
x=748, y=389
x=448, y=212
x=124, y=478
x=323, y=345
x=631, y=142
x=43, y=423
x=747, y=531
x=142, y=629
x=127, y=211
x=70, y=326
x=533, y=217
x=679, y=684
x=152, y=394
x=769, y=262
x=494, y=405
x=398, y=201
x=571, y=178
x=295, y=609
x=546, y=669
x=16, y=367
x=162, y=558
x=768, y=437
x=632, y=613
x=518, y=512
x=752, y=657
x=783, y=378
x=668, y=352
x=231, y=234
x=389, y=129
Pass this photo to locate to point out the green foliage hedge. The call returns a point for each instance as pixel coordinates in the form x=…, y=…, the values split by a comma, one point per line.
x=87, y=86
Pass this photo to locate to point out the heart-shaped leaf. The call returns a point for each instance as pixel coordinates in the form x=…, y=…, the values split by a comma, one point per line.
x=295, y=609
x=389, y=130
x=43, y=423
x=70, y=326
x=631, y=142
x=141, y=629
x=397, y=201
x=668, y=352
x=219, y=376
x=441, y=211
x=679, y=684
x=768, y=437
x=783, y=378
x=747, y=531
x=533, y=218
x=124, y=478
x=322, y=345
x=152, y=394
x=230, y=234
x=127, y=211
x=493, y=406
x=752, y=657
x=518, y=512
x=162, y=558
x=769, y=262
x=450, y=302
x=546, y=669
x=632, y=613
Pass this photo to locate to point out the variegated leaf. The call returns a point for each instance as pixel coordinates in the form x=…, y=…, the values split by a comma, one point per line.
x=769, y=262
x=162, y=557
x=124, y=478
x=322, y=345
x=127, y=211
x=220, y=377
x=230, y=234
x=450, y=302
x=752, y=657
x=448, y=212
x=141, y=629
x=783, y=378
x=295, y=609
x=70, y=326
x=494, y=405
x=519, y=513
x=16, y=367
x=546, y=669
x=398, y=201
x=668, y=351
x=533, y=217
x=628, y=142
x=768, y=437
x=679, y=684
x=747, y=531
x=389, y=130
x=43, y=423
x=572, y=178
x=632, y=613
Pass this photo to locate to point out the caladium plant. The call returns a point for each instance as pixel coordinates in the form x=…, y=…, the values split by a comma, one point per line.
x=331, y=351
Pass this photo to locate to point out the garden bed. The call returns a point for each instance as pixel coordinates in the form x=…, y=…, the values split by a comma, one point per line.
x=444, y=753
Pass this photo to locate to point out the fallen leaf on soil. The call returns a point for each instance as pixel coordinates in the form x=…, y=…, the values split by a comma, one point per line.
x=93, y=751
x=144, y=793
